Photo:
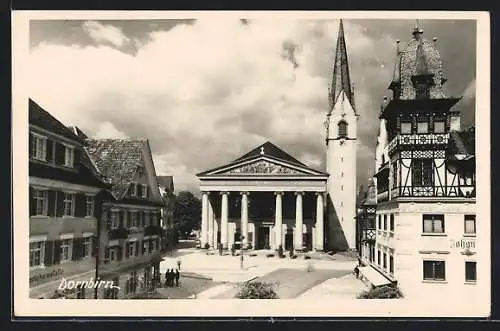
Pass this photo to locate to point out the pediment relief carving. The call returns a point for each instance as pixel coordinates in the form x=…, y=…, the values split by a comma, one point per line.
x=262, y=167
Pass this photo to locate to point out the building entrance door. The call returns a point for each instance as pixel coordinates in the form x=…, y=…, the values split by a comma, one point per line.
x=289, y=239
x=263, y=237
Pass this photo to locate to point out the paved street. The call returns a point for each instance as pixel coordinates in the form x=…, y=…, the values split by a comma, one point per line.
x=329, y=278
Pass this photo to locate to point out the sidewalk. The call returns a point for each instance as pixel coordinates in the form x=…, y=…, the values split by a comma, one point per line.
x=342, y=288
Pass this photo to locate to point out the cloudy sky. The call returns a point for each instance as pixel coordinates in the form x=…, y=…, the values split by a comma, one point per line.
x=205, y=92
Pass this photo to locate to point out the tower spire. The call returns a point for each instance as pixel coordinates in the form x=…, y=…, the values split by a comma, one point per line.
x=341, y=80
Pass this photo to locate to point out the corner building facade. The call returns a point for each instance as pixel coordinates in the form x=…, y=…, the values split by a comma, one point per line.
x=425, y=178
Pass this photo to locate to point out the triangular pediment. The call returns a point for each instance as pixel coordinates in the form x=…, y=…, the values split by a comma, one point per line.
x=263, y=166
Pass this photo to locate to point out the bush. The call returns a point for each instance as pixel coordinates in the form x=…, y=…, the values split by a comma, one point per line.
x=270, y=255
x=294, y=257
x=382, y=292
x=207, y=246
x=253, y=254
x=256, y=290
x=307, y=257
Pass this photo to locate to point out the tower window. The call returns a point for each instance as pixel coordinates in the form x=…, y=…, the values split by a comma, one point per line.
x=422, y=91
x=422, y=125
x=439, y=127
x=405, y=127
x=342, y=129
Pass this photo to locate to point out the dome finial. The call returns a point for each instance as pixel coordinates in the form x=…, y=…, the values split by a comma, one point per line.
x=418, y=31
x=397, y=47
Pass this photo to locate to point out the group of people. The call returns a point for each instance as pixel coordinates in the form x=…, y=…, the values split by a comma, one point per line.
x=172, y=276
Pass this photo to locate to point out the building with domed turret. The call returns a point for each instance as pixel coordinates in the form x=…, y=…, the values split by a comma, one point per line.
x=425, y=182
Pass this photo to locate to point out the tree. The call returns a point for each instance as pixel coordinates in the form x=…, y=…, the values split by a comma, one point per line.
x=187, y=212
x=256, y=290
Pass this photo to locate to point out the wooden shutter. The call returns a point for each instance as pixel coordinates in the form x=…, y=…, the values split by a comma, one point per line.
x=51, y=207
x=59, y=153
x=137, y=248
x=49, y=253
x=95, y=246
x=57, y=251
x=31, y=147
x=50, y=149
x=59, y=204
x=80, y=205
x=76, y=251
x=32, y=202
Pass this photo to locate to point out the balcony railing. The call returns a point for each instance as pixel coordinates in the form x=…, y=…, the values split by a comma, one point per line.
x=419, y=139
x=456, y=191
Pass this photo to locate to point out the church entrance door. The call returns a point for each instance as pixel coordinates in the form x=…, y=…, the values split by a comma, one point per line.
x=263, y=237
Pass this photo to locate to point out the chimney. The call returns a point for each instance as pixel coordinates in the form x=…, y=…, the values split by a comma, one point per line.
x=455, y=121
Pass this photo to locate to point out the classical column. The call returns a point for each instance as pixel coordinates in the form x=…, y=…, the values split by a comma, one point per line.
x=204, y=219
x=278, y=221
x=298, y=220
x=244, y=218
x=319, y=237
x=211, y=234
x=223, y=219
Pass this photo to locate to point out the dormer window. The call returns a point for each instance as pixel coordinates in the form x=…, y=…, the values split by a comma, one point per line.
x=133, y=189
x=69, y=156
x=144, y=191
x=38, y=147
x=342, y=129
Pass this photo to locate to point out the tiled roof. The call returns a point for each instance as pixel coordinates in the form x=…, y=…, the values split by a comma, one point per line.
x=462, y=142
x=272, y=150
x=418, y=49
x=43, y=119
x=118, y=160
x=371, y=197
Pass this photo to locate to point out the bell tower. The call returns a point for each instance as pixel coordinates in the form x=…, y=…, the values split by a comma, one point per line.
x=341, y=141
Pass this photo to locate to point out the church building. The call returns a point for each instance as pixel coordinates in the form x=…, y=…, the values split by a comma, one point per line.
x=267, y=198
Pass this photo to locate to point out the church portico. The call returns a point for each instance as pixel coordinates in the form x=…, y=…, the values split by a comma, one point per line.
x=265, y=199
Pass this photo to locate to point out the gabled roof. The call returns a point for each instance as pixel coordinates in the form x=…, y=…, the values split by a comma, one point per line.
x=166, y=182
x=371, y=197
x=270, y=159
x=271, y=150
x=117, y=159
x=79, y=133
x=43, y=119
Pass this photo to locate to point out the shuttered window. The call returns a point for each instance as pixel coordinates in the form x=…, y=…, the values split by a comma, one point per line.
x=38, y=147
x=422, y=172
x=69, y=204
x=66, y=250
x=36, y=253
x=342, y=129
x=89, y=205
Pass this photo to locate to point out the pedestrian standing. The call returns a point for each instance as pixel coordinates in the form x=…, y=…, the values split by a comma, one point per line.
x=166, y=278
x=178, y=264
x=170, y=277
x=177, y=276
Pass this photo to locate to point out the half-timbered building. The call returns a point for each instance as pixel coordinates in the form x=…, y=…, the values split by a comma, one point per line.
x=425, y=178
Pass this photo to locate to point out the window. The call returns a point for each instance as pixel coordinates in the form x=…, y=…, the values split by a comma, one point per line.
x=391, y=264
x=342, y=129
x=379, y=222
x=115, y=222
x=433, y=223
x=385, y=222
x=470, y=271
x=87, y=246
x=421, y=91
x=144, y=191
x=41, y=202
x=89, y=205
x=391, y=222
x=133, y=189
x=69, y=204
x=470, y=224
x=385, y=261
x=439, y=127
x=146, y=219
x=39, y=147
x=69, y=156
x=422, y=126
x=131, y=249
x=66, y=250
x=434, y=270
x=378, y=257
x=112, y=254
x=154, y=219
x=421, y=172
x=405, y=127
x=36, y=253
x=133, y=219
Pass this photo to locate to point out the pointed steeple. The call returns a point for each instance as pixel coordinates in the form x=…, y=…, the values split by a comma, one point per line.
x=423, y=79
x=395, y=85
x=341, y=80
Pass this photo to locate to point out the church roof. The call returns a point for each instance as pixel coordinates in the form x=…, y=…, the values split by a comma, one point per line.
x=265, y=151
x=371, y=197
x=341, y=80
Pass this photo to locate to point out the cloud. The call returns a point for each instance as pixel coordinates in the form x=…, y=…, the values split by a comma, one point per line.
x=105, y=33
x=107, y=130
x=207, y=92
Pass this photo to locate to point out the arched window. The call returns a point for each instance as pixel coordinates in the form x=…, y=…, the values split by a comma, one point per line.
x=342, y=129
